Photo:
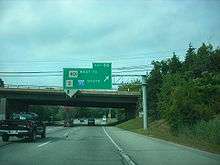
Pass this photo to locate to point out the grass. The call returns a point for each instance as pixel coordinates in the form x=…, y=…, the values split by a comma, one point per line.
x=204, y=136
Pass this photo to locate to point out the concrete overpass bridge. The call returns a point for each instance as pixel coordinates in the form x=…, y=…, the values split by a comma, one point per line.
x=13, y=99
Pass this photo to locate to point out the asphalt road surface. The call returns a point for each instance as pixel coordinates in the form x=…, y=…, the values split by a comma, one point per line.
x=100, y=146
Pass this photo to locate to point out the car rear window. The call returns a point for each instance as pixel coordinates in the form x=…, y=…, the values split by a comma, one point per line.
x=21, y=116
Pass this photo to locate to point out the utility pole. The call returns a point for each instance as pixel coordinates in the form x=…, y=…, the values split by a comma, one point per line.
x=144, y=90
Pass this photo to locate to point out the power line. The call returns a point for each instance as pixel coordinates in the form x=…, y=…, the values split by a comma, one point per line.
x=126, y=75
x=45, y=75
x=27, y=72
x=54, y=72
x=108, y=58
x=136, y=70
x=133, y=67
x=59, y=75
x=122, y=69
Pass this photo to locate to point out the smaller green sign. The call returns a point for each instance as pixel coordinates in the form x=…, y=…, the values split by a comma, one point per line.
x=97, y=77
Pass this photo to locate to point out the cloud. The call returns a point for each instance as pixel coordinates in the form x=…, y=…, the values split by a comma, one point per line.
x=84, y=31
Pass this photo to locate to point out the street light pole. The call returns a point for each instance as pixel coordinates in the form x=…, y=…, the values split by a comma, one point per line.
x=144, y=90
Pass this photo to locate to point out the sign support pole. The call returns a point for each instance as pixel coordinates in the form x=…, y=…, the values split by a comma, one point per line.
x=144, y=90
x=3, y=108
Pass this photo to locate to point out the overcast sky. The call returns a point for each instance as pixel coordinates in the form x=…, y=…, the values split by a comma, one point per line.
x=50, y=35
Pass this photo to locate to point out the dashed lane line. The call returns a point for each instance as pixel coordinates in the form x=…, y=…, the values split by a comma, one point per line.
x=40, y=145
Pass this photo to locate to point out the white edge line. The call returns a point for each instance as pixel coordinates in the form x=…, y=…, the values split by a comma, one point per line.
x=123, y=154
x=181, y=146
x=112, y=140
x=40, y=145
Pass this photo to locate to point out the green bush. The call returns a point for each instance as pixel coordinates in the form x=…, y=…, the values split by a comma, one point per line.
x=205, y=131
x=185, y=104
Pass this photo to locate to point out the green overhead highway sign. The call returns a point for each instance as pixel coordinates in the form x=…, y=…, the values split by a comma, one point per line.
x=97, y=77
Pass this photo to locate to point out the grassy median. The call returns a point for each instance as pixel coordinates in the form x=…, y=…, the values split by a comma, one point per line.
x=204, y=136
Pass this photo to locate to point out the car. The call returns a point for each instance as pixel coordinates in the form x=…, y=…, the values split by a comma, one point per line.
x=68, y=123
x=23, y=124
x=91, y=121
x=104, y=119
x=81, y=120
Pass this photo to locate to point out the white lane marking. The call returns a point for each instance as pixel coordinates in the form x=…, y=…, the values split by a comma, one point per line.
x=123, y=154
x=70, y=131
x=67, y=133
x=112, y=140
x=40, y=145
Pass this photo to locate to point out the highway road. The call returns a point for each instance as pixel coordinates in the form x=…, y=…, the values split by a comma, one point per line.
x=100, y=146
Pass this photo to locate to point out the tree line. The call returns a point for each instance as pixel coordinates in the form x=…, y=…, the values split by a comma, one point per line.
x=184, y=92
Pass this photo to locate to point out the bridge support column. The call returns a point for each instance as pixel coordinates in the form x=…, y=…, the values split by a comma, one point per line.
x=3, y=108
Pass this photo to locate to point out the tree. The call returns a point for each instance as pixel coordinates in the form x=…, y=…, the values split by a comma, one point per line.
x=164, y=67
x=154, y=82
x=134, y=86
x=215, y=60
x=190, y=57
x=46, y=112
x=187, y=106
x=189, y=91
x=1, y=83
x=174, y=64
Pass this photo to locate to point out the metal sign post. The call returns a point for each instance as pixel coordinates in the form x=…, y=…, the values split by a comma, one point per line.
x=144, y=89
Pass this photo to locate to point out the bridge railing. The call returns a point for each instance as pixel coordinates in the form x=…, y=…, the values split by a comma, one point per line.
x=59, y=88
x=33, y=87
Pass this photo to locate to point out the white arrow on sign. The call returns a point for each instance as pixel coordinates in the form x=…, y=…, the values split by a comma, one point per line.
x=106, y=78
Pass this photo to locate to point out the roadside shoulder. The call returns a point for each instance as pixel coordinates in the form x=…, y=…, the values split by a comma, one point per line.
x=200, y=152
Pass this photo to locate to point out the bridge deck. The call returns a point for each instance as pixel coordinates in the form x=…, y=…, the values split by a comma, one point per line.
x=81, y=92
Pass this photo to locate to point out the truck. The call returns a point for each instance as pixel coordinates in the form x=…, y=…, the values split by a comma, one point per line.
x=22, y=125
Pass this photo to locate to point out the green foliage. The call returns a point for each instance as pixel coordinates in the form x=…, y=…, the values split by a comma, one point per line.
x=155, y=82
x=47, y=113
x=59, y=115
x=134, y=86
x=174, y=64
x=186, y=107
x=1, y=83
x=185, y=93
x=204, y=60
x=208, y=131
x=165, y=105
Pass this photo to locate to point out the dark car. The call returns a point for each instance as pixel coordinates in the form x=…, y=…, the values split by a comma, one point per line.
x=68, y=123
x=81, y=120
x=91, y=121
x=22, y=125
